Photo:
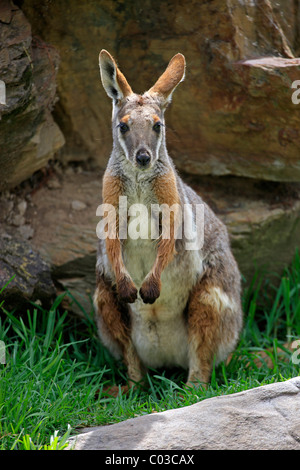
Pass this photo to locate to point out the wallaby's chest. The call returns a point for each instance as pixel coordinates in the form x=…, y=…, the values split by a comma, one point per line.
x=140, y=247
x=158, y=331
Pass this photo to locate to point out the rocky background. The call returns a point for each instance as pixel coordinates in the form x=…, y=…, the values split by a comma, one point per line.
x=233, y=130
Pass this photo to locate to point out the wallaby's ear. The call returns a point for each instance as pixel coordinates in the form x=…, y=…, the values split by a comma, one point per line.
x=113, y=81
x=168, y=81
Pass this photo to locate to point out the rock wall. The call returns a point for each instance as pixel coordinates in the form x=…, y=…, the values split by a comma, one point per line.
x=232, y=127
x=29, y=137
x=232, y=115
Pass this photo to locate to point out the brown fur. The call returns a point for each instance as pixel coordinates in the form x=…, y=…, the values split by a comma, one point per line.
x=114, y=315
x=125, y=118
x=171, y=77
x=116, y=321
x=204, y=329
x=156, y=118
x=123, y=84
x=165, y=189
x=197, y=315
x=112, y=189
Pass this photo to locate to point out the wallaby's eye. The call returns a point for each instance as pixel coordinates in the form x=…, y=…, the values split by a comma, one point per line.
x=123, y=127
x=157, y=127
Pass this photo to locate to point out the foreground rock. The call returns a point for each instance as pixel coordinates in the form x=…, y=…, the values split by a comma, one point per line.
x=264, y=418
x=29, y=137
x=232, y=115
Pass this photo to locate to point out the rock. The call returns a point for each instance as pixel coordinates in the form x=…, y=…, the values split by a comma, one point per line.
x=26, y=231
x=78, y=205
x=54, y=184
x=8, y=208
x=18, y=220
x=5, y=236
x=288, y=15
x=263, y=418
x=68, y=244
x=27, y=272
x=29, y=137
x=69, y=171
x=13, y=211
x=263, y=218
x=22, y=206
x=233, y=115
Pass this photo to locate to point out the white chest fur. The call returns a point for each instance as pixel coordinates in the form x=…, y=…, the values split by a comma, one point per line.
x=159, y=331
x=159, y=335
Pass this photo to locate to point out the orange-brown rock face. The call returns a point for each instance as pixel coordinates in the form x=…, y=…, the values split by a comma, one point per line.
x=232, y=115
x=232, y=124
x=29, y=137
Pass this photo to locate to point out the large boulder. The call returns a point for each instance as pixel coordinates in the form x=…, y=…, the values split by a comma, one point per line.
x=232, y=115
x=263, y=418
x=29, y=137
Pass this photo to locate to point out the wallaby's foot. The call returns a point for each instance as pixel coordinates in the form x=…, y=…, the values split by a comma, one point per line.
x=126, y=290
x=150, y=290
x=197, y=384
x=113, y=390
x=135, y=369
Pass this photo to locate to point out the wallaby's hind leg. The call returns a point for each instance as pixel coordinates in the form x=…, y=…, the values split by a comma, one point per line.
x=214, y=323
x=113, y=320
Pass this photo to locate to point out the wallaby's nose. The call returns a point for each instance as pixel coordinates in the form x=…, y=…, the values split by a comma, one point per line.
x=143, y=158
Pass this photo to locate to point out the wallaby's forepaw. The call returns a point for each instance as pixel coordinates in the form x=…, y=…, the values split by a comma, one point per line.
x=150, y=290
x=127, y=290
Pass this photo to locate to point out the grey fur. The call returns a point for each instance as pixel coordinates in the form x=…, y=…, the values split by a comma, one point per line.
x=166, y=338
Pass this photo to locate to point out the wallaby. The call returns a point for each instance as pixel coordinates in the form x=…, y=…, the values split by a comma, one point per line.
x=159, y=304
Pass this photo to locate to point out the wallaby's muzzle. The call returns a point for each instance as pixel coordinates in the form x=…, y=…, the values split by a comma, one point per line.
x=143, y=158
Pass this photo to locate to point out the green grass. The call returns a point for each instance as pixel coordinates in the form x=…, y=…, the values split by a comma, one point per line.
x=56, y=372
